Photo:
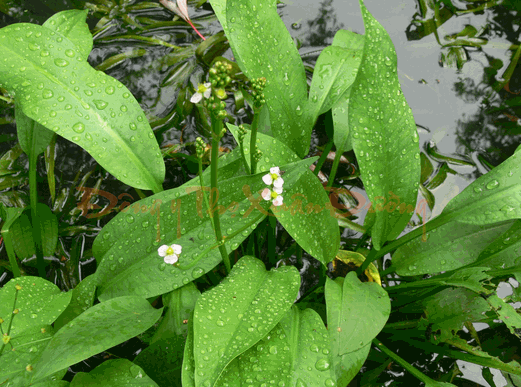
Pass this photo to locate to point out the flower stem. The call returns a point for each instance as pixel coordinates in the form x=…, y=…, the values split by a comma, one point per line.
x=200, y=159
x=323, y=157
x=195, y=29
x=246, y=166
x=253, y=141
x=217, y=127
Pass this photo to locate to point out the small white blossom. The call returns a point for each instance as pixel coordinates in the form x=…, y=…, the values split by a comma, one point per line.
x=273, y=178
x=180, y=9
x=274, y=195
x=204, y=89
x=170, y=253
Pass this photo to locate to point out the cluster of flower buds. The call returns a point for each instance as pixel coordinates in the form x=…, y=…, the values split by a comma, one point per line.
x=199, y=147
x=220, y=75
x=275, y=181
x=257, y=88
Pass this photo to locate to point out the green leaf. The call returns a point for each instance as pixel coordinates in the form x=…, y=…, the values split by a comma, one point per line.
x=238, y=312
x=504, y=250
x=448, y=247
x=180, y=304
x=163, y=360
x=492, y=198
x=507, y=314
x=113, y=373
x=449, y=309
x=22, y=233
x=32, y=136
x=246, y=23
x=294, y=353
x=188, y=371
x=97, y=329
x=335, y=71
x=56, y=87
x=383, y=133
x=27, y=313
x=426, y=168
x=82, y=299
x=356, y=312
x=306, y=203
x=73, y=26
x=128, y=244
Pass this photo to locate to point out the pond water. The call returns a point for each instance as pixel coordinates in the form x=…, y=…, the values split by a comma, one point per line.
x=466, y=113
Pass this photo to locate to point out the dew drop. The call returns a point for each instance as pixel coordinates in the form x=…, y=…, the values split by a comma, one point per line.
x=110, y=90
x=492, y=184
x=78, y=127
x=70, y=53
x=100, y=104
x=61, y=62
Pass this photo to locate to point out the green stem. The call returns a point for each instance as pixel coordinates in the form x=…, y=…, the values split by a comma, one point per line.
x=323, y=157
x=10, y=253
x=435, y=223
x=200, y=159
x=253, y=141
x=217, y=127
x=33, y=195
x=411, y=369
x=246, y=166
x=8, y=100
x=334, y=168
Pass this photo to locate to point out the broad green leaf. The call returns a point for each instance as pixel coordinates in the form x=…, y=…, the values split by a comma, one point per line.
x=504, y=251
x=449, y=309
x=132, y=265
x=246, y=24
x=335, y=71
x=114, y=373
x=448, y=247
x=506, y=313
x=237, y=313
x=306, y=203
x=471, y=278
x=32, y=136
x=22, y=233
x=294, y=353
x=56, y=87
x=28, y=306
x=492, y=198
x=97, y=329
x=72, y=25
x=163, y=360
x=180, y=304
x=82, y=299
x=426, y=168
x=340, y=112
x=27, y=346
x=383, y=133
x=440, y=176
x=38, y=301
x=356, y=312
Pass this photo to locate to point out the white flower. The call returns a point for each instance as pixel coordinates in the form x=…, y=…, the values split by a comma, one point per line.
x=170, y=253
x=273, y=178
x=274, y=195
x=204, y=89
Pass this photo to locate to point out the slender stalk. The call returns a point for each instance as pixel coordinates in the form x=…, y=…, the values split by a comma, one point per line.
x=10, y=253
x=217, y=126
x=253, y=141
x=33, y=195
x=200, y=162
x=410, y=368
x=323, y=157
x=334, y=168
x=246, y=166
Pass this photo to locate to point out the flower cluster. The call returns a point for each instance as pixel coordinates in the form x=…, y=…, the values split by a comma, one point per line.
x=275, y=182
x=170, y=253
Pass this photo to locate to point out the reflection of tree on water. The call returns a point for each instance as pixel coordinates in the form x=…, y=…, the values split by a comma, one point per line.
x=322, y=29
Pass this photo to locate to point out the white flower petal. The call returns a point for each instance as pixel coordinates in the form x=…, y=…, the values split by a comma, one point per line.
x=275, y=170
x=162, y=250
x=171, y=259
x=177, y=248
x=196, y=98
x=267, y=179
x=183, y=9
x=278, y=190
x=278, y=182
x=207, y=93
x=266, y=194
x=277, y=201
x=207, y=85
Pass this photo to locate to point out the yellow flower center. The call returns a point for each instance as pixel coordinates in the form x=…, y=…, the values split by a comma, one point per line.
x=170, y=251
x=274, y=176
x=274, y=194
x=201, y=88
